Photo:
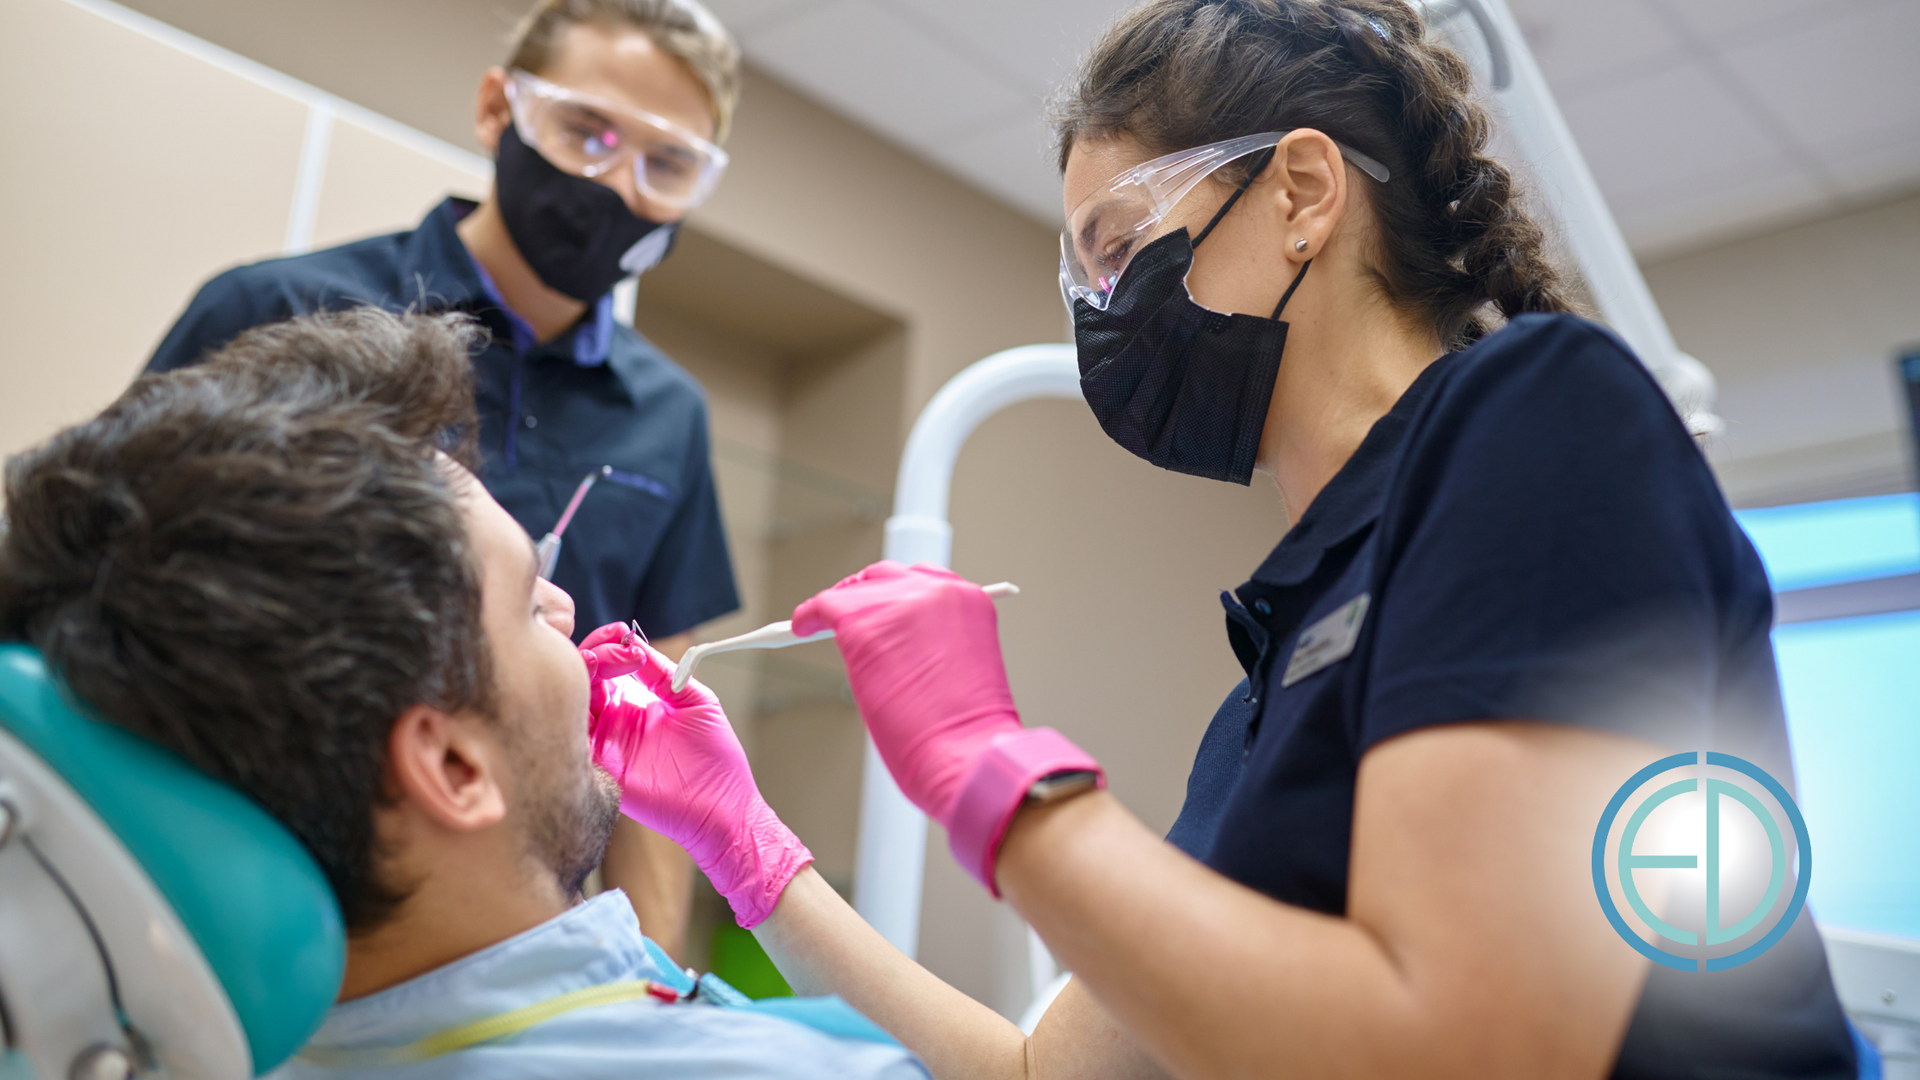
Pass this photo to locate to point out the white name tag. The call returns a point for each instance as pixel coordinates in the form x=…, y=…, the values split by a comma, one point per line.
x=1328, y=641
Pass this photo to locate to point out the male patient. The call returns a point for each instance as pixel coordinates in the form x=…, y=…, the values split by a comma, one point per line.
x=278, y=565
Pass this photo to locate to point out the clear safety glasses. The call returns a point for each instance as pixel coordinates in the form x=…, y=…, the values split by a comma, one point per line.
x=1128, y=212
x=590, y=136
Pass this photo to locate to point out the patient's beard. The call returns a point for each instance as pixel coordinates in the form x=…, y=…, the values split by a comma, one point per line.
x=568, y=825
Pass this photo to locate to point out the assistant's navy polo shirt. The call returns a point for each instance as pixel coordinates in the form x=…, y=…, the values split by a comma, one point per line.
x=1538, y=538
x=647, y=542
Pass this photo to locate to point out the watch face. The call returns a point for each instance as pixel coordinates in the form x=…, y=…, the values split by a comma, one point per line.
x=1060, y=785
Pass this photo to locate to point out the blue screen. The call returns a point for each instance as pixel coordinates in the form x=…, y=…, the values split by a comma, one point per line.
x=1844, y=540
x=1852, y=689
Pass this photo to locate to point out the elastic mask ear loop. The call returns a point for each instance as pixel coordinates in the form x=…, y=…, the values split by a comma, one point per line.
x=1253, y=173
x=1288, y=295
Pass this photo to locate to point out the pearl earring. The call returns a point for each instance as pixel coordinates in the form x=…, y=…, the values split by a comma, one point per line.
x=1300, y=244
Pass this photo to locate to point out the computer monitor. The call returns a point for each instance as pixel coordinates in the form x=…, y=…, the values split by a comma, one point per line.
x=1908, y=366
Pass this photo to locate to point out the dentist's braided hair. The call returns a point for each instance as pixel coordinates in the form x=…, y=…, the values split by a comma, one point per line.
x=1452, y=236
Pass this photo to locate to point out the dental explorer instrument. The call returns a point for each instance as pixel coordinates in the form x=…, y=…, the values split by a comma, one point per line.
x=778, y=636
x=547, y=551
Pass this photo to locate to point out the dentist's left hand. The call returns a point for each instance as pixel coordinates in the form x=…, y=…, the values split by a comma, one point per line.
x=683, y=773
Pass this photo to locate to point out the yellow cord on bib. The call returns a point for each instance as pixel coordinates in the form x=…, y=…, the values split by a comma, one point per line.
x=488, y=1029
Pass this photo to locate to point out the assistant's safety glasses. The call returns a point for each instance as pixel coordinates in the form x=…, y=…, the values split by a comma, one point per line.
x=1128, y=212
x=590, y=136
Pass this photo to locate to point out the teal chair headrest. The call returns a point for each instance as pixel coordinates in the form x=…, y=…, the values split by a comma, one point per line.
x=252, y=897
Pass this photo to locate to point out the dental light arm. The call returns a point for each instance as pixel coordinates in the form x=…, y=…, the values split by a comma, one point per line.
x=892, y=854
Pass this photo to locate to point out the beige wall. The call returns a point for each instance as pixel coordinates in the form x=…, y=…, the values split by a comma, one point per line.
x=142, y=170
x=1801, y=326
x=373, y=184
x=827, y=291
x=112, y=216
x=416, y=61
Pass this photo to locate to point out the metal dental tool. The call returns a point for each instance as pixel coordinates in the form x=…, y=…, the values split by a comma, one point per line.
x=548, y=549
x=778, y=636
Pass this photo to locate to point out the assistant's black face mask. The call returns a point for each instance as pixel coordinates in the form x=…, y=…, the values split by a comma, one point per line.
x=1181, y=386
x=578, y=236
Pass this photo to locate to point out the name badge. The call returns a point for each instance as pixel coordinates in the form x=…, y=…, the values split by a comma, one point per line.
x=1328, y=641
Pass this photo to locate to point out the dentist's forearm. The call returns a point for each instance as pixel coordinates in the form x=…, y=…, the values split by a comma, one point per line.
x=822, y=946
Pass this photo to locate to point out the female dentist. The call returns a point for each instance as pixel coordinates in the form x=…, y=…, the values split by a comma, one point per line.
x=1509, y=584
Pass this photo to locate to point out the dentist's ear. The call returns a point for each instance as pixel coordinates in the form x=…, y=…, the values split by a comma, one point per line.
x=491, y=113
x=1308, y=188
x=447, y=768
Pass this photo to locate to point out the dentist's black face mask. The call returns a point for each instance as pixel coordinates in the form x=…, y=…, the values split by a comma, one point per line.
x=578, y=236
x=1181, y=386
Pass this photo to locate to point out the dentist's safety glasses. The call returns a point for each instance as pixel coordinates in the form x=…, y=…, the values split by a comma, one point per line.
x=591, y=136
x=1127, y=213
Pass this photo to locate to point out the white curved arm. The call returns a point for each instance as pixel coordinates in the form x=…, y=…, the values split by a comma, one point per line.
x=892, y=855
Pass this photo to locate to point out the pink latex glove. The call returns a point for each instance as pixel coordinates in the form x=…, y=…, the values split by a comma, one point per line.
x=922, y=649
x=683, y=773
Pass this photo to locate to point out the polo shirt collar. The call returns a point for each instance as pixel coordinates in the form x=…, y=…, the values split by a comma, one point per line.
x=436, y=253
x=1353, y=499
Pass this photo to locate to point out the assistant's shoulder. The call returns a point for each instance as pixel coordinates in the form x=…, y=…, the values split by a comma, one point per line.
x=364, y=271
x=652, y=377
x=270, y=290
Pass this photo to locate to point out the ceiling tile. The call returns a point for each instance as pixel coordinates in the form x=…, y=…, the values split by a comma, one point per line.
x=863, y=60
x=1658, y=132
x=1729, y=20
x=1680, y=155
x=1036, y=43
x=1580, y=43
x=1838, y=80
x=1711, y=207
x=1014, y=161
x=743, y=17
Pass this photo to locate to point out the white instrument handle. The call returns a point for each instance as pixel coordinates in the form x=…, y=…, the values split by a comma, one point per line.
x=778, y=636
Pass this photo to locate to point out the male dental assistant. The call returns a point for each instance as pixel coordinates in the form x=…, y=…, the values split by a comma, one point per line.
x=603, y=125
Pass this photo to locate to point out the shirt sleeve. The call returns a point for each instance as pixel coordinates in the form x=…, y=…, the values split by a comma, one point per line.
x=1557, y=551
x=219, y=312
x=690, y=579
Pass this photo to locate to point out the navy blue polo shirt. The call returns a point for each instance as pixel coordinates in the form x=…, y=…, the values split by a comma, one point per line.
x=647, y=542
x=1536, y=538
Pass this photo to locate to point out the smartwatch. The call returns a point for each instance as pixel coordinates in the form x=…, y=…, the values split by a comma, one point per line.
x=1054, y=787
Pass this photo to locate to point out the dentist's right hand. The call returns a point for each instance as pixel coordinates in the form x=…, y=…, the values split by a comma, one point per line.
x=683, y=773
x=922, y=649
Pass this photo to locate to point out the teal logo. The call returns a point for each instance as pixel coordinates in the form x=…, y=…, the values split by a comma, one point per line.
x=1732, y=887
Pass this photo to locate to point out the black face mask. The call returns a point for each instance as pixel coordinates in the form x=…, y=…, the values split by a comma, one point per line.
x=578, y=236
x=1181, y=386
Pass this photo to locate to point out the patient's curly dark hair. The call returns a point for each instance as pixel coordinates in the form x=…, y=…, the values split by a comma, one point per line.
x=259, y=563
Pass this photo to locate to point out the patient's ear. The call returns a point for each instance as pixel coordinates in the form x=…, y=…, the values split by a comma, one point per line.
x=447, y=767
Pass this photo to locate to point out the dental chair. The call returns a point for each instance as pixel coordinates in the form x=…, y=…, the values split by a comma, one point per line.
x=153, y=921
